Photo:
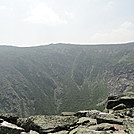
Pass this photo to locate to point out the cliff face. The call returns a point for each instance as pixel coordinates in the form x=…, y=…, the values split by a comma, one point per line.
x=63, y=77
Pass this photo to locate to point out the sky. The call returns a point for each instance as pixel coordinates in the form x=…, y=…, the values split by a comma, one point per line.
x=39, y=22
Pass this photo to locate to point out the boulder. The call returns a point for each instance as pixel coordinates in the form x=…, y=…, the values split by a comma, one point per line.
x=103, y=128
x=105, y=115
x=89, y=113
x=12, y=118
x=113, y=97
x=48, y=124
x=1, y=120
x=128, y=101
x=68, y=113
x=109, y=120
x=129, y=112
x=119, y=107
x=60, y=132
x=9, y=128
x=129, y=125
x=82, y=113
x=31, y=132
x=86, y=120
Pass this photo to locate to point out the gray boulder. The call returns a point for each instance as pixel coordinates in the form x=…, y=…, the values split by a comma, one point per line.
x=9, y=117
x=126, y=99
x=68, y=113
x=31, y=132
x=103, y=128
x=86, y=121
x=119, y=107
x=109, y=120
x=48, y=124
x=88, y=113
x=9, y=128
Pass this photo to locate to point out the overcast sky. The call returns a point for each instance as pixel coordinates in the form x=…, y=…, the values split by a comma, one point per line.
x=40, y=22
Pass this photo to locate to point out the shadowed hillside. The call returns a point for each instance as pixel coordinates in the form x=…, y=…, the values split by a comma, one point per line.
x=63, y=77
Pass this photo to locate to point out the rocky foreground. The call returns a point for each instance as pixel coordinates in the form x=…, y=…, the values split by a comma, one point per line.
x=117, y=118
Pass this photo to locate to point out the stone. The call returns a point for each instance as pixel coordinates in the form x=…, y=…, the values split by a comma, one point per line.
x=68, y=113
x=126, y=100
x=48, y=124
x=27, y=124
x=81, y=113
x=12, y=118
x=119, y=107
x=102, y=127
x=129, y=124
x=31, y=132
x=89, y=113
x=109, y=120
x=130, y=112
x=1, y=120
x=105, y=115
x=113, y=97
x=96, y=129
x=9, y=128
x=60, y=132
x=86, y=120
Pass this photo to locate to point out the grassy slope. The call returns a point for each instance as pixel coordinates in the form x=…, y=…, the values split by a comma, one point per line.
x=55, y=78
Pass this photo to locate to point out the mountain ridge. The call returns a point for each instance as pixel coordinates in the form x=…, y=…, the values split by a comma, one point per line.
x=54, y=78
x=72, y=44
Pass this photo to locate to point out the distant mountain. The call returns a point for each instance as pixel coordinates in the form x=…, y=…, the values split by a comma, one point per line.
x=63, y=77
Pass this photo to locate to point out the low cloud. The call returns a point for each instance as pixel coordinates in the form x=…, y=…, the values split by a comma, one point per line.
x=69, y=14
x=42, y=14
x=124, y=33
x=3, y=7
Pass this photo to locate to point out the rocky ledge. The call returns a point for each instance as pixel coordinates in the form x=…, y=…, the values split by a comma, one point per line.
x=117, y=118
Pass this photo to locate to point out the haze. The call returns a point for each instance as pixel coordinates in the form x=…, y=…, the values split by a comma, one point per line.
x=40, y=22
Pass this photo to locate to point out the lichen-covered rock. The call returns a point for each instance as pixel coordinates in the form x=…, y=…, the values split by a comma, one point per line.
x=68, y=113
x=1, y=120
x=89, y=113
x=9, y=117
x=27, y=124
x=102, y=127
x=105, y=115
x=48, y=124
x=86, y=121
x=126, y=99
x=96, y=129
x=8, y=128
x=31, y=132
x=118, y=120
x=109, y=120
x=61, y=132
x=129, y=124
x=119, y=107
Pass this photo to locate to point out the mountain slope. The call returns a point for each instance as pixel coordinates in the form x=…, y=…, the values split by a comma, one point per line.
x=63, y=77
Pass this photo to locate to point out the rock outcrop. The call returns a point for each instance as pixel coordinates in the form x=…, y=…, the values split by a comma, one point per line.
x=119, y=119
x=9, y=128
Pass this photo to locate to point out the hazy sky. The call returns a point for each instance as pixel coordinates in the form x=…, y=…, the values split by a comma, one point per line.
x=39, y=22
